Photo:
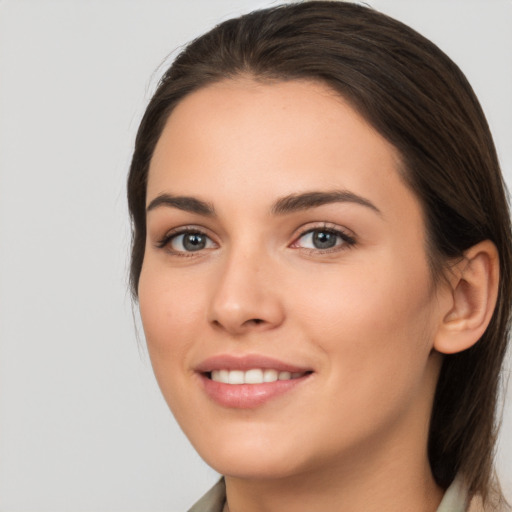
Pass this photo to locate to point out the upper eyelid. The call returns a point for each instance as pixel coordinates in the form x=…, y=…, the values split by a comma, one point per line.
x=163, y=240
x=188, y=228
x=347, y=236
x=327, y=226
x=296, y=235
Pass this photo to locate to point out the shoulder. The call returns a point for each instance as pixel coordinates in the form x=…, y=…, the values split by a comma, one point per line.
x=213, y=500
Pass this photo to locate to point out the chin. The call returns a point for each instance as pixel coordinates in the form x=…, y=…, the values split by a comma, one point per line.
x=257, y=467
x=252, y=458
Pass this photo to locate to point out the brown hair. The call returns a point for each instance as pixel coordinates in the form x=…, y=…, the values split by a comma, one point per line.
x=421, y=102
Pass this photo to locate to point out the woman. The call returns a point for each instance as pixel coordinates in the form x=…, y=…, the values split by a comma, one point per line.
x=321, y=254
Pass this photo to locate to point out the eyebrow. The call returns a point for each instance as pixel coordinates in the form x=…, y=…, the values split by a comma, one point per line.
x=185, y=203
x=299, y=202
x=285, y=205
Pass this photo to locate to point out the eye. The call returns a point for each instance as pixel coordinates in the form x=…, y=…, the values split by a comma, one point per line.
x=186, y=241
x=323, y=239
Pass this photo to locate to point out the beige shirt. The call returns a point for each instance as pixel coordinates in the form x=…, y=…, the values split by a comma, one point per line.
x=454, y=500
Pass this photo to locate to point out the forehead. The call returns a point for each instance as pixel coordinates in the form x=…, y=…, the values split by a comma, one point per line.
x=245, y=139
x=244, y=109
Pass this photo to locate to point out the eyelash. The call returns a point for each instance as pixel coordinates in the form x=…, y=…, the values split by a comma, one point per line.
x=166, y=241
x=347, y=240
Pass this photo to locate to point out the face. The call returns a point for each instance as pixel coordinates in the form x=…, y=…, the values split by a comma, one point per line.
x=285, y=292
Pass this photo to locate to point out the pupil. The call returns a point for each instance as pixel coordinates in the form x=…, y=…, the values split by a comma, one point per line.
x=194, y=242
x=324, y=240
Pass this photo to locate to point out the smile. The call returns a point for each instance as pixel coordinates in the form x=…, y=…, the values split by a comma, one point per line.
x=249, y=381
x=253, y=376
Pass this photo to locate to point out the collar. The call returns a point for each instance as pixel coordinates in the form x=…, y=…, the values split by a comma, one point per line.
x=454, y=500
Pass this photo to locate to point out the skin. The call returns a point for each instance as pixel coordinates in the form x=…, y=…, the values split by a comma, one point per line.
x=364, y=317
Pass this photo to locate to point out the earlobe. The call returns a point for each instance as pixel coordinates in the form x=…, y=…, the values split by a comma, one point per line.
x=473, y=292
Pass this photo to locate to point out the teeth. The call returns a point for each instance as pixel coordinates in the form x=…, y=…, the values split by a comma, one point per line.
x=270, y=375
x=236, y=377
x=253, y=376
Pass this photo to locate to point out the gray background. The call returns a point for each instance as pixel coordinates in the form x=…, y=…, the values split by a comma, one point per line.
x=82, y=423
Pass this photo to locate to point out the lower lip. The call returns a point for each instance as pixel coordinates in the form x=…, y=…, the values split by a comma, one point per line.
x=248, y=396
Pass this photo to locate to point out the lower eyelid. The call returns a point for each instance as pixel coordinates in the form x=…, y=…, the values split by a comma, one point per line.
x=169, y=237
x=344, y=241
x=344, y=238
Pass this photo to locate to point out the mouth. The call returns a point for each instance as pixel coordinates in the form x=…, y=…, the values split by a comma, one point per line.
x=250, y=381
x=253, y=376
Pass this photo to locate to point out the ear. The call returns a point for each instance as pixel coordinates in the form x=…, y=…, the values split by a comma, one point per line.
x=470, y=299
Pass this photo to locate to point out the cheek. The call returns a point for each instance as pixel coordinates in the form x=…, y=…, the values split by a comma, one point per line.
x=373, y=323
x=169, y=309
x=170, y=314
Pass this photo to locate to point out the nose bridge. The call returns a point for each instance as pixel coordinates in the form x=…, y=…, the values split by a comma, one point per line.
x=245, y=297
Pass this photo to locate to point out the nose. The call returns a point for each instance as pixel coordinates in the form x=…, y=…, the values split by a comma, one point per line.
x=246, y=297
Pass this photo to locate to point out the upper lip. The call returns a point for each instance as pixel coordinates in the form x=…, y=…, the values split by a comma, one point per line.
x=246, y=362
